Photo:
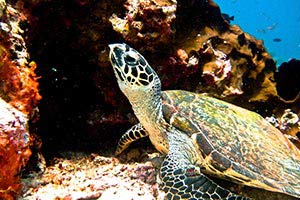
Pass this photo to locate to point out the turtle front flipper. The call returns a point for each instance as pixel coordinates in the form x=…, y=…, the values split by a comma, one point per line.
x=181, y=179
x=134, y=133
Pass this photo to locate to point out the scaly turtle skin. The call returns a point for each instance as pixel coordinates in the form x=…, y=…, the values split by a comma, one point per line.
x=201, y=134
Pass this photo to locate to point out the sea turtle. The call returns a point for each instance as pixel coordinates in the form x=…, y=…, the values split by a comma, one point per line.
x=203, y=135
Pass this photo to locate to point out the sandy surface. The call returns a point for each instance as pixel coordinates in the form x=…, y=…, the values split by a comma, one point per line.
x=80, y=176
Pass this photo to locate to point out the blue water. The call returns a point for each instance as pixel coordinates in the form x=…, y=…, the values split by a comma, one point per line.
x=269, y=20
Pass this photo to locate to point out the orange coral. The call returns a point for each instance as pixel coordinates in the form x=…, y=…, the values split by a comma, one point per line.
x=19, y=83
x=18, y=96
x=14, y=149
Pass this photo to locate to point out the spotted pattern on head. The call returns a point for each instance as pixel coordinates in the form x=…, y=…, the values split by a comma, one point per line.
x=130, y=67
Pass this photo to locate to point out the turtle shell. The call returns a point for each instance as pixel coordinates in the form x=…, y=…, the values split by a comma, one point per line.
x=235, y=143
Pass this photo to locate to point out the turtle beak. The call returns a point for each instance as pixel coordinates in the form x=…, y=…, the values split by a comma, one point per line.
x=117, y=47
x=113, y=46
x=115, y=55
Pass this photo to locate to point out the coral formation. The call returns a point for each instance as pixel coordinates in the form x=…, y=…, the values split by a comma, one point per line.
x=287, y=121
x=251, y=75
x=19, y=84
x=146, y=23
x=14, y=149
x=18, y=99
x=219, y=69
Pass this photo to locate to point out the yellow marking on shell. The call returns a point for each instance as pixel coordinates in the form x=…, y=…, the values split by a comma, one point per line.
x=238, y=178
x=251, y=182
x=182, y=123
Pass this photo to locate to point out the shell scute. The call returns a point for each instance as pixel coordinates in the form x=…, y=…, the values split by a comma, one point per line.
x=220, y=161
x=202, y=141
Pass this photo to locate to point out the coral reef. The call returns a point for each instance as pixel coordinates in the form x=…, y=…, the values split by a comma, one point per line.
x=287, y=121
x=18, y=99
x=207, y=54
x=68, y=41
x=147, y=23
x=189, y=43
x=247, y=69
x=19, y=84
x=14, y=149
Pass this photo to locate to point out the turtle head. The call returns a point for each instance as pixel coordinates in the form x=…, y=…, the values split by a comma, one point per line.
x=135, y=77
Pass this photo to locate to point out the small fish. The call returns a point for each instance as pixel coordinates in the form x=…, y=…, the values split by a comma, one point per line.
x=276, y=40
x=272, y=27
x=227, y=17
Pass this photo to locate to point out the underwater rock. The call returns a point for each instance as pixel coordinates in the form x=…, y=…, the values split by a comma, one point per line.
x=19, y=84
x=146, y=23
x=287, y=121
x=14, y=149
x=18, y=100
x=216, y=71
x=231, y=64
x=83, y=176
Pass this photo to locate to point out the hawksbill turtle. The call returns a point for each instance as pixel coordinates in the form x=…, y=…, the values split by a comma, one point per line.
x=203, y=135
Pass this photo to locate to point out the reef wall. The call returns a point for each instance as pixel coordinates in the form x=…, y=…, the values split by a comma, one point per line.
x=18, y=99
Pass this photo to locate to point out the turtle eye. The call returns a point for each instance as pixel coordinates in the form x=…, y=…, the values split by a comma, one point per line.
x=131, y=58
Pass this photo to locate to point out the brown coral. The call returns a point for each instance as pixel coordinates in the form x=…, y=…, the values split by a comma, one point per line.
x=146, y=22
x=14, y=149
x=19, y=83
x=232, y=64
x=18, y=96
